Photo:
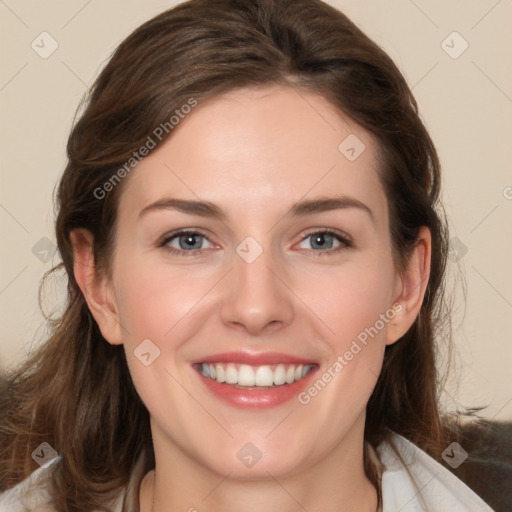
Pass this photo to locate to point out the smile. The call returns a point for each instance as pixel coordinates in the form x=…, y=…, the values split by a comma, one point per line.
x=264, y=376
x=254, y=381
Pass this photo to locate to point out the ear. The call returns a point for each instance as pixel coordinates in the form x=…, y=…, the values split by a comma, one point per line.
x=411, y=286
x=96, y=288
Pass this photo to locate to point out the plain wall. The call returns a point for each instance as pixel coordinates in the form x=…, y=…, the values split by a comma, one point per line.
x=465, y=101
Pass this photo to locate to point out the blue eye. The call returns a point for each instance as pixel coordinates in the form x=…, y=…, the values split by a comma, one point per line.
x=186, y=243
x=192, y=243
x=325, y=241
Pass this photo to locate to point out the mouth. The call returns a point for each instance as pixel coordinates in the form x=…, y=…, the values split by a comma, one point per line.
x=244, y=376
x=254, y=381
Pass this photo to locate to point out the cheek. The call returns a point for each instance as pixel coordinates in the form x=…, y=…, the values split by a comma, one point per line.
x=350, y=298
x=153, y=302
x=352, y=307
x=158, y=308
x=354, y=303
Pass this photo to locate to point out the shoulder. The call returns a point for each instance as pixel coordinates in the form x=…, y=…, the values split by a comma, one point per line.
x=488, y=467
x=33, y=494
x=413, y=481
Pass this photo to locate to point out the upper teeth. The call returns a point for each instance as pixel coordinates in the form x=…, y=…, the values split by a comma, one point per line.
x=245, y=375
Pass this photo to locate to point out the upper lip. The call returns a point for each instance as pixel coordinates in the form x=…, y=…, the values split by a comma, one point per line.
x=253, y=359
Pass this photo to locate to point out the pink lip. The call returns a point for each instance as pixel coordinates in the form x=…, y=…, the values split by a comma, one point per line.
x=253, y=359
x=255, y=398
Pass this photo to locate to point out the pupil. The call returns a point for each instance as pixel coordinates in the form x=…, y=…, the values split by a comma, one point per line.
x=189, y=241
x=321, y=242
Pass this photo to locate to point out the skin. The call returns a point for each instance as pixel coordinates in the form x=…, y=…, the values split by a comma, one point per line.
x=254, y=153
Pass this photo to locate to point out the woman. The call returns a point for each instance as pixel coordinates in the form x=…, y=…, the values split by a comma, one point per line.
x=250, y=226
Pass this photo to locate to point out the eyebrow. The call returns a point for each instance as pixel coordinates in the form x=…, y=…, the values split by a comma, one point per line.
x=300, y=209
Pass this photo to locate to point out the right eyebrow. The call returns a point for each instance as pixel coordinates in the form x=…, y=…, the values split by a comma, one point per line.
x=201, y=208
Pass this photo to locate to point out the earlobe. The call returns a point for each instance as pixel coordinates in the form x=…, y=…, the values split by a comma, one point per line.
x=96, y=289
x=413, y=284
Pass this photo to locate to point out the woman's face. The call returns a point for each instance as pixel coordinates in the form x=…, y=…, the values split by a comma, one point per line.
x=285, y=267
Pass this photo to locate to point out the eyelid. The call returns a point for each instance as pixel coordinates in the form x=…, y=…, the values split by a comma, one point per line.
x=180, y=232
x=344, y=239
x=165, y=239
x=330, y=231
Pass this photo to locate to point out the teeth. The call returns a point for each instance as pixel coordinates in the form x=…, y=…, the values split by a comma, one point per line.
x=246, y=376
x=220, y=373
x=263, y=376
x=279, y=375
x=231, y=374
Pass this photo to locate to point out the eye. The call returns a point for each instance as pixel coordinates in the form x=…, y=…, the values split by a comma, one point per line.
x=188, y=243
x=325, y=241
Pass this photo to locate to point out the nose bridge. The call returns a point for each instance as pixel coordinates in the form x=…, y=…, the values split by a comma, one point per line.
x=256, y=276
x=258, y=296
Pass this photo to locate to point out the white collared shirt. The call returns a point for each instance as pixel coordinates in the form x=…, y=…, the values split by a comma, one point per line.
x=417, y=483
x=422, y=484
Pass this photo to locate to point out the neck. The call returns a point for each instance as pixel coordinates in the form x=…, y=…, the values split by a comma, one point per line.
x=335, y=483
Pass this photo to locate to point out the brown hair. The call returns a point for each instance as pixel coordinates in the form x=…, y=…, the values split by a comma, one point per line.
x=75, y=392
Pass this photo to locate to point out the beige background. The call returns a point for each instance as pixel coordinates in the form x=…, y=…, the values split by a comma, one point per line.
x=466, y=103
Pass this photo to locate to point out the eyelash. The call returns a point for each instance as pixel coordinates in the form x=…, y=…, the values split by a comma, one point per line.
x=179, y=252
x=343, y=239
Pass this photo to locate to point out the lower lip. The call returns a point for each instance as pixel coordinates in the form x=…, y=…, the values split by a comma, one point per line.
x=256, y=398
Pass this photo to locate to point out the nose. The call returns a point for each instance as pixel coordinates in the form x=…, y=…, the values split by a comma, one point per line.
x=257, y=298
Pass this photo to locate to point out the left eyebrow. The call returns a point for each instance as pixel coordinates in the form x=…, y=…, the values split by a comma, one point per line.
x=327, y=204
x=300, y=209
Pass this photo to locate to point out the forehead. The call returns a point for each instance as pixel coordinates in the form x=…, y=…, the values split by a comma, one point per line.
x=257, y=147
